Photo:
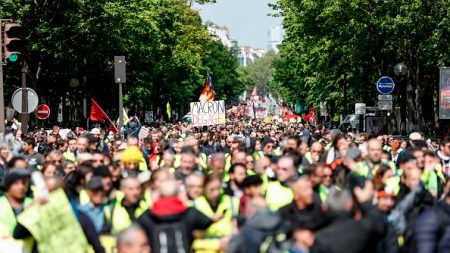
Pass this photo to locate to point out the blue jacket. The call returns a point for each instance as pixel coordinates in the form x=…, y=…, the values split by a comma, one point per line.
x=432, y=231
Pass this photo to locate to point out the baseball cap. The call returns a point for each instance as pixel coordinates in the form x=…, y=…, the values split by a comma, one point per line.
x=414, y=136
x=95, y=131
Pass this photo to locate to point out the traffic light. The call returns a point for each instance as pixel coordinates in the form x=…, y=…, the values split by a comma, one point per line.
x=14, y=41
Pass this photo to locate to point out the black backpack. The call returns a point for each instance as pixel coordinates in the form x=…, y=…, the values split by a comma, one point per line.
x=170, y=238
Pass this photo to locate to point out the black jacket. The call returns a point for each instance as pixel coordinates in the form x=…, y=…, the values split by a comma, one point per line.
x=432, y=230
x=255, y=231
x=191, y=219
x=311, y=217
x=343, y=235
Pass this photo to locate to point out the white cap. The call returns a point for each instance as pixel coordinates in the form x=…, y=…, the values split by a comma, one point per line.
x=95, y=131
x=415, y=136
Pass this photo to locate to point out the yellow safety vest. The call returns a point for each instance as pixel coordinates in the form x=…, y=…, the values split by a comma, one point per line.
x=8, y=221
x=83, y=197
x=117, y=216
x=203, y=162
x=257, y=155
x=229, y=206
x=143, y=165
x=70, y=156
x=278, y=195
x=364, y=170
x=393, y=183
x=148, y=197
x=227, y=162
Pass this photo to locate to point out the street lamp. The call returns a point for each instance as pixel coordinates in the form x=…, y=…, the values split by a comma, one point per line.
x=401, y=71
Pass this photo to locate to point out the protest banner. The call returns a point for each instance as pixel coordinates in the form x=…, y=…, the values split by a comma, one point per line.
x=206, y=113
x=54, y=225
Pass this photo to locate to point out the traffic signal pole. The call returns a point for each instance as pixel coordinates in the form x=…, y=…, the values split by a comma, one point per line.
x=11, y=41
x=2, y=100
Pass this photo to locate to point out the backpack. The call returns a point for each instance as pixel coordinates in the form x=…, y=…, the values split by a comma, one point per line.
x=170, y=238
x=277, y=240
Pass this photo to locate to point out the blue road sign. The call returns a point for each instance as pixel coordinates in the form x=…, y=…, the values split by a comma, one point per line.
x=385, y=85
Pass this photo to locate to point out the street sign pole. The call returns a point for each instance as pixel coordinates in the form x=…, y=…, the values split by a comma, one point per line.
x=24, y=123
x=120, y=109
x=120, y=78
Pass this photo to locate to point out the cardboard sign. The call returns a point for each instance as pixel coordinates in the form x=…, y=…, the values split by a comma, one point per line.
x=206, y=113
x=54, y=225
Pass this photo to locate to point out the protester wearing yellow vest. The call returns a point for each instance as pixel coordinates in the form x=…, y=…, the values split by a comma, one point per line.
x=124, y=211
x=279, y=192
x=14, y=202
x=217, y=206
x=368, y=167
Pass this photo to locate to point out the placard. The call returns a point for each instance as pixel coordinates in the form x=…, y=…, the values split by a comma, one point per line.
x=54, y=225
x=206, y=113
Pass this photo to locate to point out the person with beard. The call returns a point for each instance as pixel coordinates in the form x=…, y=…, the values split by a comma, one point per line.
x=187, y=164
x=41, y=142
x=207, y=144
x=133, y=126
x=97, y=143
x=292, y=143
x=237, y=174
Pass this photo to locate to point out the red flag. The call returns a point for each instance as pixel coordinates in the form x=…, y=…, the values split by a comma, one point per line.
x=97, y=114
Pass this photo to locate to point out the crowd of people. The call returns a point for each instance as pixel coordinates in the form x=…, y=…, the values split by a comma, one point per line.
x=240, y=187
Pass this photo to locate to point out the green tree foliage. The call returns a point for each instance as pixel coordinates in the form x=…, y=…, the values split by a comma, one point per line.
x=261, y=72
x=332, y=48
x=168, y=52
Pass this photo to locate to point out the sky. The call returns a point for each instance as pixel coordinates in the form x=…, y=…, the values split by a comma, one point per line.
x=247, y=20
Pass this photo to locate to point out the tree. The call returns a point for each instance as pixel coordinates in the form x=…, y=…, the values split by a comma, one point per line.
x=338, y=49
x=261, y=72
x=164, y=42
